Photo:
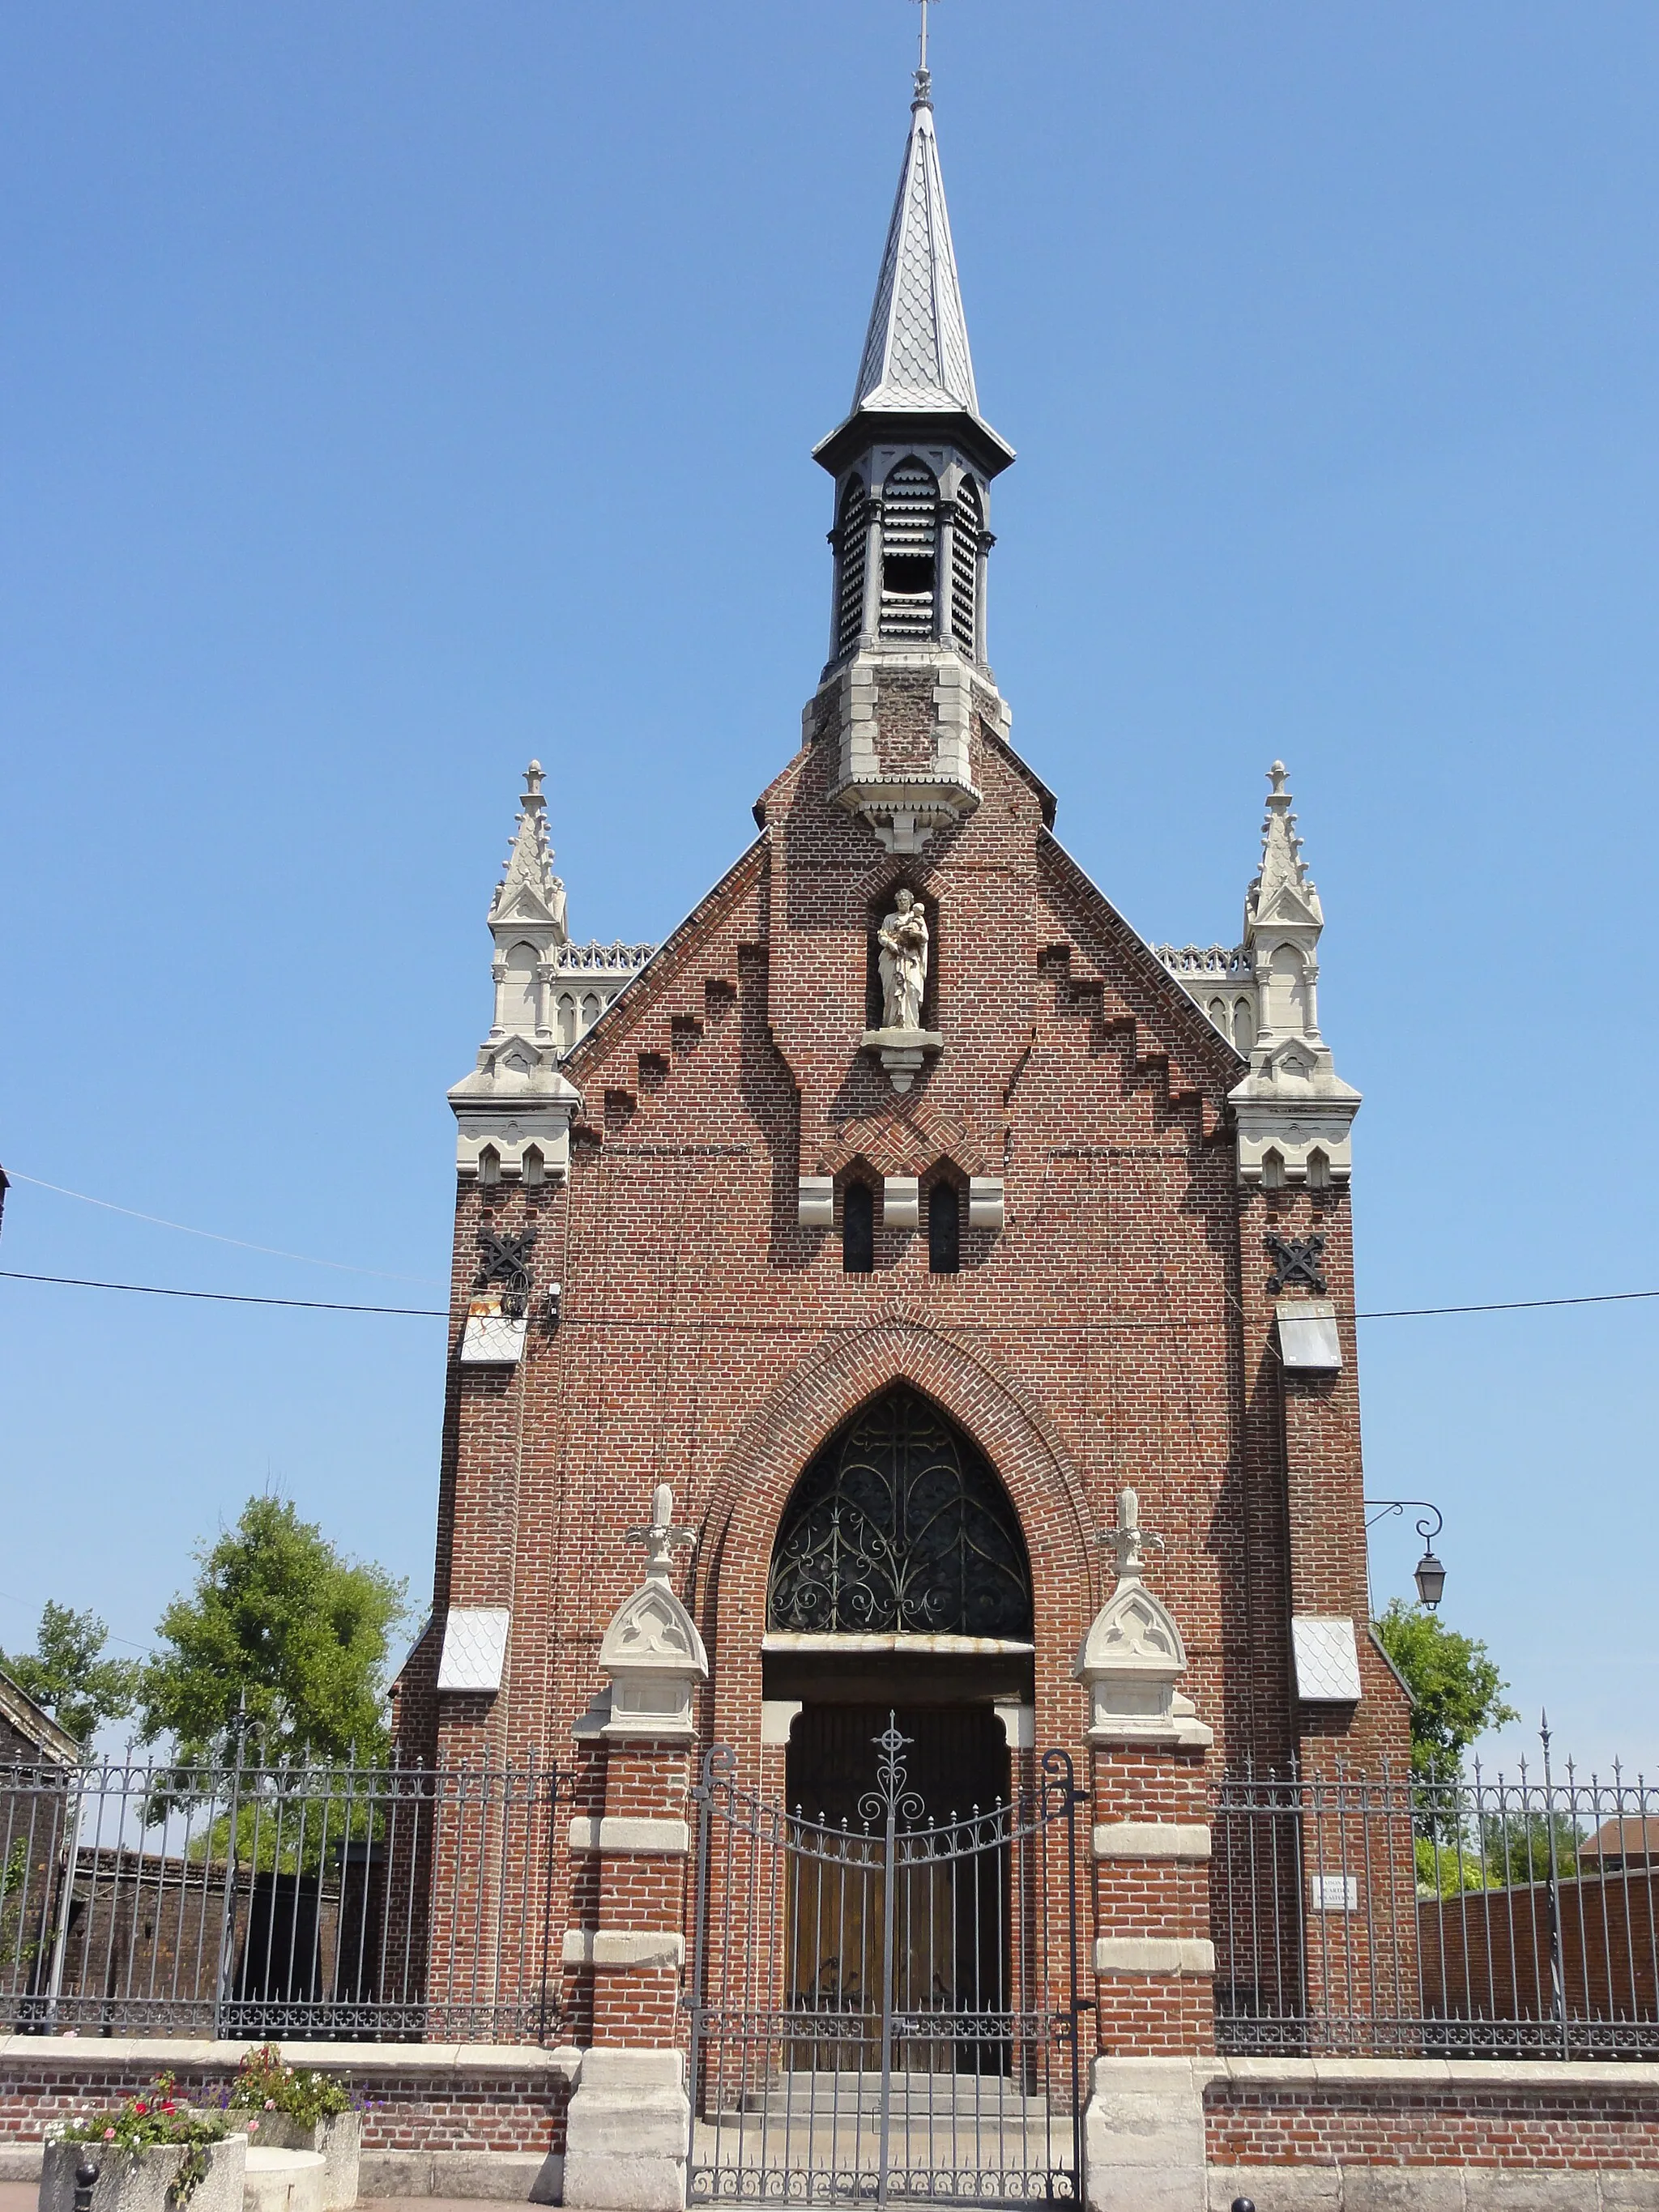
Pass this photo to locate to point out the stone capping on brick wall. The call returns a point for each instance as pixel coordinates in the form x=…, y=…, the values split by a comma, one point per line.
x=1634, y=2079
x=100, y=2053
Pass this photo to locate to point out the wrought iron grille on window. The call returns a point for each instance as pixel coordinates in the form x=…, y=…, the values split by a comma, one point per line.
x=900, y=1525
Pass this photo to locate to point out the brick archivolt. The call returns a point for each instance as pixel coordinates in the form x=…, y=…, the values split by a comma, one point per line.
x=754, y=1482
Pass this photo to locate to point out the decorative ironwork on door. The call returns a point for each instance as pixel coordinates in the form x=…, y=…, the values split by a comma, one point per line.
x=886, y=2012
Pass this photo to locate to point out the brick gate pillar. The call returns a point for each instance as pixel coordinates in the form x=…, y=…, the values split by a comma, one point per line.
x=1153, y=1960
x=630, y=2115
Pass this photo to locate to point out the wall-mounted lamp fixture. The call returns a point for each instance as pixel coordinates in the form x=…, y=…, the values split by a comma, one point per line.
x=1430, y=1576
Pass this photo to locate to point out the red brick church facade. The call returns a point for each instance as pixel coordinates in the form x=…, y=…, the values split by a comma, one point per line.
x=1077, y=1218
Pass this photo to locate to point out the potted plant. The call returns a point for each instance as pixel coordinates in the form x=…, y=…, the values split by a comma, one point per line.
x=152, y=2155
x=302, y=2109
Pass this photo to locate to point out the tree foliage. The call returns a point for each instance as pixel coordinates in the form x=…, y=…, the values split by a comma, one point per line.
x=68, y=1674
x=1454, y=1680
x=282, y=1631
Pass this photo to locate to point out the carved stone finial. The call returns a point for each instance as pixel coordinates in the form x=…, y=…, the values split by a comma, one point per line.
x=1129, y=1538
x=652, y=1650
x=1132, y=1655
x=532, y=779
x=660, y=1537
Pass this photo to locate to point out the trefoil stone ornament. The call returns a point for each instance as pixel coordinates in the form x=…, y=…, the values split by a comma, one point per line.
x=901, y=949
x=1134, y=1655
x=652, y=1651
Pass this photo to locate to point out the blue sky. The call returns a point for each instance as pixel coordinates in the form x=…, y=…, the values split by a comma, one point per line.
x=392, y=392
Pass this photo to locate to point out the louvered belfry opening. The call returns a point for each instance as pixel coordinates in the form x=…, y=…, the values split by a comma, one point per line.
x=964, y=566
x=909, y=547
x=852, y=535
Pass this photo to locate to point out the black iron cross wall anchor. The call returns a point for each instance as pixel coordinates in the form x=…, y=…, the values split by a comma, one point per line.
x=505, y=1259
x=1296, y=1260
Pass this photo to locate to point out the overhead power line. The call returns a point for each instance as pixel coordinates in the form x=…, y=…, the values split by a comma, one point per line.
x=576, y=1321
x=157, y=1221
x=222, y=1297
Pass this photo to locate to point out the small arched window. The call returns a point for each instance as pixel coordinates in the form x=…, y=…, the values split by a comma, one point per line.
x=1243, y=1025
x=857, y=1230
x=944, y=1229
x=909, y=545
x=566, y=1020
x=964, y=566
x=852, y=538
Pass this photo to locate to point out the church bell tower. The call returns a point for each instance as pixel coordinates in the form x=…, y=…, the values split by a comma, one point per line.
x=914, y=464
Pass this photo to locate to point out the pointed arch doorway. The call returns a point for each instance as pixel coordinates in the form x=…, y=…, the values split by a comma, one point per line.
x=882, y=1987
x=899, y=1582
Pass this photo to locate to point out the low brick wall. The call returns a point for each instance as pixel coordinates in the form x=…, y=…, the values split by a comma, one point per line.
x=1462, y=2135
x=446, y=2120
x=1294, y=2134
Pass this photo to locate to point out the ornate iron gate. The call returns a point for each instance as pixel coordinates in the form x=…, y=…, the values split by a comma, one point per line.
x=889, y=2011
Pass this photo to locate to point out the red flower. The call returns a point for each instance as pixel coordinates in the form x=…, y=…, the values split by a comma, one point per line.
x=141, y=2106
x=169, y=2106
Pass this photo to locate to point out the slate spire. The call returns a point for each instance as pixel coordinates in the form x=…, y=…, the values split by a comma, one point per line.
x=913, y=463
x=916, y=360
x=915, y=353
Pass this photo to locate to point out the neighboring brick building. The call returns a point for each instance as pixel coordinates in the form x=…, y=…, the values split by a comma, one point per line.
x=850, y=1199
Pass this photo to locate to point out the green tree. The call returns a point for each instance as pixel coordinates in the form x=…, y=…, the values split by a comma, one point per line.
x=67, y=1675
x=281, y=1629
x=1455, y=1681
x=1516, y=1845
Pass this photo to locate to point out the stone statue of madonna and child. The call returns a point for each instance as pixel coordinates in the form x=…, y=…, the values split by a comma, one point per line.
x=903, y=943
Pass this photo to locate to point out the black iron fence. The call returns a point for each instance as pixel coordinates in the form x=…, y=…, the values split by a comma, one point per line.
x=1368, y=1915
x=1468, y=1917
x=251, y=1900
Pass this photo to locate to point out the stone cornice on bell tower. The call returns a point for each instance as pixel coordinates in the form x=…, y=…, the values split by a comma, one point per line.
x=908, y=673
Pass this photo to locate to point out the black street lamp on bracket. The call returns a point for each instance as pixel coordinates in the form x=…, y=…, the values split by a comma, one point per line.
x=1430, y=1576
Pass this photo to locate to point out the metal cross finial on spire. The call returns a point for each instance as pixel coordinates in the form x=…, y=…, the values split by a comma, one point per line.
x=924, y=78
